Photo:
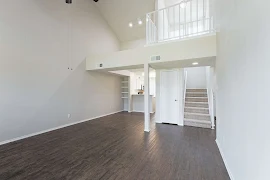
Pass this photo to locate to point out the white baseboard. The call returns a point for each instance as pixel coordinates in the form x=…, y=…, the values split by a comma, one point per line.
x=141, y=112
x=225, y=161
x=147, y=130
x=52, y=129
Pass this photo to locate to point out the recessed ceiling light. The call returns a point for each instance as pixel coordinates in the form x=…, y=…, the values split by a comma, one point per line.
x=140, y=22
x=195, y=63
x=183, y=4
x=130, y=25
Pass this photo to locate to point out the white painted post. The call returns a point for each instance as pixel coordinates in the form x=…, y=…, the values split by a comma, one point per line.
x=185, y=15
x=191, y=20
x=197, y=16
x=174, y=22
x=163, y=24
x=147, y=29
x=168, y=21
x=146, y=98
x=179, y=9
x=203, y=15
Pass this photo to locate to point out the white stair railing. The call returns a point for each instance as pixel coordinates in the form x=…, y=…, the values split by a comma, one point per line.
x=179, y=21
x=151, y=31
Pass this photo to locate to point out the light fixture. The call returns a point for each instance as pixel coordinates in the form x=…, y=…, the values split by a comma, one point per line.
x=183, y=4
x=130, y=25
x=139, y=21
x=195, y=63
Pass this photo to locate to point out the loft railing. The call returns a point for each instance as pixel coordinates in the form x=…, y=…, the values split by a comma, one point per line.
x=186, y=19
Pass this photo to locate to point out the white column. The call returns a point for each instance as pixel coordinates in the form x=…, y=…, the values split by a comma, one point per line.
x=146, y=98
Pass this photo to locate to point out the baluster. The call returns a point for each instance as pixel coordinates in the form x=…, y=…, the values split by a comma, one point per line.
x=185, y=25
x=197, y=16
x=163, y=24
x=168, y=22
x=147, y=36
x=174, y=21
x=203, y=15
x=179, y=21
x=191, y=25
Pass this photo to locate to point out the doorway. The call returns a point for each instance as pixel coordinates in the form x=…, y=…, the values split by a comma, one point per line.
x=169, y=96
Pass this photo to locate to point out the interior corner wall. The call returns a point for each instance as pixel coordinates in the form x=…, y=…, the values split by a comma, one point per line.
x=196, y=78
x=243, y=87
x=37, y=90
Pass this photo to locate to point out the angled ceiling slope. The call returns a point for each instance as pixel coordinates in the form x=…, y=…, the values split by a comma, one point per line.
x=119, y=13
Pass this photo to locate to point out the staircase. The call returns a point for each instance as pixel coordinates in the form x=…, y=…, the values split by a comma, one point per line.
x=197, y=109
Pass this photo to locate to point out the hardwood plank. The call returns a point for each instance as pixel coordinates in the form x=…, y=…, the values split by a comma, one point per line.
x=115, y=147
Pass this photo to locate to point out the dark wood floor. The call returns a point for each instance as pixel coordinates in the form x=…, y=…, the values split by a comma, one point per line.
x=115, y=147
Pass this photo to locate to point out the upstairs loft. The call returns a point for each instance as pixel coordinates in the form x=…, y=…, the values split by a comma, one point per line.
x=175, y=33
x=189, y=18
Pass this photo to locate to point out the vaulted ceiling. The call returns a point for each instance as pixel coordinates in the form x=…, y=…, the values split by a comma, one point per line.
x=119, y=13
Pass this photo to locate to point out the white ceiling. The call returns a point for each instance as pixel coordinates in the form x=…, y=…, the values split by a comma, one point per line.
x=118, y=14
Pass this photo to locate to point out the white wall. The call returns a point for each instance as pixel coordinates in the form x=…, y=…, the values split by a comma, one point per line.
x=132, y=44
x=194, y=48
x=243, y=99
x=196, y=78
x=37, y=91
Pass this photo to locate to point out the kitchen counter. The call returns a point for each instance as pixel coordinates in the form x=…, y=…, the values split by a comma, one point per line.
x=139, y=95
x=137, y=101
